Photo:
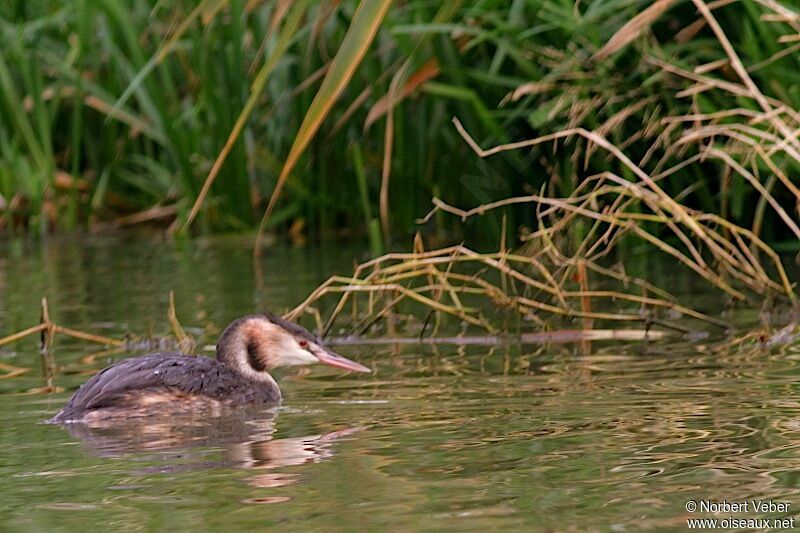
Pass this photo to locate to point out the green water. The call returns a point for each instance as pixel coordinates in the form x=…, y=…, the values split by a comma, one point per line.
x=437, y=438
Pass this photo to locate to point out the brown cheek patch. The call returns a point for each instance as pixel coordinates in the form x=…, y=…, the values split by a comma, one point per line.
x=259, y=345
x=253, y=357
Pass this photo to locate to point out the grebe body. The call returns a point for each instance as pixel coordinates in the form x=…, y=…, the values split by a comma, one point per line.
x=171, y=382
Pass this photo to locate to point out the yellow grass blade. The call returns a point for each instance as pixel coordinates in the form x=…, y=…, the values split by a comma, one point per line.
x=633, y=28
x=426, y=72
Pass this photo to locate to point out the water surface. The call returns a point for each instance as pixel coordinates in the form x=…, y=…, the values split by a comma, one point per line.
x=437, y=438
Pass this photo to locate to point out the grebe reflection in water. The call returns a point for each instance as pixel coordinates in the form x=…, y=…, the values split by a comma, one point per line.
x=236, y=438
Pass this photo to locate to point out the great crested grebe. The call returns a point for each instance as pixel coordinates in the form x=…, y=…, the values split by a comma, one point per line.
x=163, y=382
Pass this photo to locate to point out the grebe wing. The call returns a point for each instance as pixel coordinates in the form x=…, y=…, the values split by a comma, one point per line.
x=190, y=374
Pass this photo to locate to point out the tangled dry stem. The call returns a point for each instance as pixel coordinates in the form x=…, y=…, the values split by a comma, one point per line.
x=549, y=277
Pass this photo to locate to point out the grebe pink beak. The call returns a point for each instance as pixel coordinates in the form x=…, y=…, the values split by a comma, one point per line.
x=328, y=357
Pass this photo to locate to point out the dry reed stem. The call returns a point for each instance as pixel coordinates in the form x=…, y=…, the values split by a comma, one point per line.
x=356, y=285
x=99, y=339
x=733, y=88
x=185, y=342
x=741, y=71
x=11, y=371
x=388, y=142
x=667, y=211
x=759, y=187
x=780, y=174
x=22, y=334
x=731, y=258
x=381, y=275
x=678, y=210
x=544, y=337
x=60, y=329
x=628, y=222
x=633, y=28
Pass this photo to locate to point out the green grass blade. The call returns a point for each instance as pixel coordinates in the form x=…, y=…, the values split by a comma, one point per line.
x=284, y=39
x=207, y=8
x=17, y=111
x=366, y=21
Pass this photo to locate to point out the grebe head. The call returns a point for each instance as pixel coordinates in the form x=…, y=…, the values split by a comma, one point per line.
x=257, y=343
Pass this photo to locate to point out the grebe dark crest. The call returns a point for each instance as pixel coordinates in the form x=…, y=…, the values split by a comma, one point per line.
x=158, y=383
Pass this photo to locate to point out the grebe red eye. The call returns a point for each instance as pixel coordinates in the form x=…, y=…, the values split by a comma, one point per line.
x=303, y=344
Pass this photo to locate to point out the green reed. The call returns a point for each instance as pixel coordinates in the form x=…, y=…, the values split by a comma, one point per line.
x=114, y=108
